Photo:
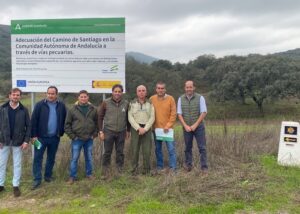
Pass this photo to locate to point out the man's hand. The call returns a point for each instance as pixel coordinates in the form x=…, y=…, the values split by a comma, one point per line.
x=194, y=127
x=24, y=146
x=187, y=128
x=1, y=145
x=101, y=135
x=142, y=131
x=127, y=135
x=33, y=139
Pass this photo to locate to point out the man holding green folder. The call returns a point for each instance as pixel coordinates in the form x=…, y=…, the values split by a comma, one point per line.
x=165, y=117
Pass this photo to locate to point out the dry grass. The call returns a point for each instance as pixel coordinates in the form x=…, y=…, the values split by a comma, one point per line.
x=234, y=172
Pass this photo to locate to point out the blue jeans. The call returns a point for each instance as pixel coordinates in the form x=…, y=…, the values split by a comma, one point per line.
x=88, y=149
x=51, y=144
x=17, y=163
x=159, y=154
x=199, y=134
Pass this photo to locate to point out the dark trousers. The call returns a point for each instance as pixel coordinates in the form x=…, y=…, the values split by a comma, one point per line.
x=51, y=144
x=199, y=134
x=112, y=138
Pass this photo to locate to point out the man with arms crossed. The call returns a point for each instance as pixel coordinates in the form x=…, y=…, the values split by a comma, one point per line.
x=14, y=135
x=47, y=125
x=165, y=117
x=191, y=110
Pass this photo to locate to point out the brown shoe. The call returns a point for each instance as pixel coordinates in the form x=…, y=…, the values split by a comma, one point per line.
x=91, y=177
x=204, y=172
x=105, y=173
x=187, y=168
x=17, y=191
x=71, y=181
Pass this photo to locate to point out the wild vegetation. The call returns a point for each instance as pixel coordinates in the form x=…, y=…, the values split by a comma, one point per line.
x=247, y=97
x=243, y=178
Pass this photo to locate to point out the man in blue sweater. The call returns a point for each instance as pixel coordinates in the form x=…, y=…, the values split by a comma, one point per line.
x=47, y=122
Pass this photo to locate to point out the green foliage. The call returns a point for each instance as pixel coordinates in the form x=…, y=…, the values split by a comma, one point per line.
x=150, y=205
x=162, y=64
x=224, y=208
x=255, y=76
x=234, y=79
x=99, y=192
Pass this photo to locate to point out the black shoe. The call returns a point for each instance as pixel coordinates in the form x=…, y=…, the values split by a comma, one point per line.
x=35, y=185
x=2, y=188
x=17, y=191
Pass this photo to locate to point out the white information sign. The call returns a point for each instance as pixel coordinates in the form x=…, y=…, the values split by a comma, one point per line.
x=71, y=54
x=289, y=144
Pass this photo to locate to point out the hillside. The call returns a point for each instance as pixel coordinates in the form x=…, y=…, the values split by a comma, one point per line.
x=141, y=58
x=295, y=53
x=5, y=63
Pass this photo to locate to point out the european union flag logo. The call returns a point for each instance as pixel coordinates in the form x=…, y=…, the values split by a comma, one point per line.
x=21, y=83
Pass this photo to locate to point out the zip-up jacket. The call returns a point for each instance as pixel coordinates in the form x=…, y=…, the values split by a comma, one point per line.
x=113, y=115
x=80, y=125
x=40, y=116
x=21, y=131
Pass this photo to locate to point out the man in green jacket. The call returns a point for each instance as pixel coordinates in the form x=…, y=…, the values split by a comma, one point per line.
x=113, y=128
x=81, y=127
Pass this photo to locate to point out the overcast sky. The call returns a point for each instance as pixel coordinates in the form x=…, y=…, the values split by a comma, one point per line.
x=181, y=30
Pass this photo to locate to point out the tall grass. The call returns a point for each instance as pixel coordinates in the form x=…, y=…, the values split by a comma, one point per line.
x=242, y=142
x=236, y=177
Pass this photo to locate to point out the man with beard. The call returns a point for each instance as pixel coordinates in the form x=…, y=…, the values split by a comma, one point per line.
x=113, y=128
x=14, y=135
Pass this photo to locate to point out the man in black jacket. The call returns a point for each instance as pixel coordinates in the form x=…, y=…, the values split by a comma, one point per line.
x=47, y=125
x=14, y=135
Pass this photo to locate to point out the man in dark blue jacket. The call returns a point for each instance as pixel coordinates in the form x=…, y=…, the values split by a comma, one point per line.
x=14, y=136
x=47, y=125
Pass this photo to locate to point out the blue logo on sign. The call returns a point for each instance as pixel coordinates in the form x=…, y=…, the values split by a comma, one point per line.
x=21, y=83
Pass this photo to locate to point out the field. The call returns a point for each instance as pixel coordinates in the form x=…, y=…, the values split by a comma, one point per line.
x=243, y=178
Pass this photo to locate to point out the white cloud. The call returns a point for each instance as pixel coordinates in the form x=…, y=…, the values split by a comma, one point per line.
x=182, y=30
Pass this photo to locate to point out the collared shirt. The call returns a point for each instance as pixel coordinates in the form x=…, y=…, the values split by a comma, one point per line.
x=141, y=114
x=202, y=106
x=52, y=120
x=14, y=107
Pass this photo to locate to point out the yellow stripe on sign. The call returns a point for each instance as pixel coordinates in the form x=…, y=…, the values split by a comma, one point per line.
x=104, y=83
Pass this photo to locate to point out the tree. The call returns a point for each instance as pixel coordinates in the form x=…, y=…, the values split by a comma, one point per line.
x=255, y=76
x=166, y=64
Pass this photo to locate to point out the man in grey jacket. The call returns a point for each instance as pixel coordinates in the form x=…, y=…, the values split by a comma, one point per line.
x=14, y=135
x=81, y=127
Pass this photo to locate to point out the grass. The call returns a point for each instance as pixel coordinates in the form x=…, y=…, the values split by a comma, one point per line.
x=244, y=178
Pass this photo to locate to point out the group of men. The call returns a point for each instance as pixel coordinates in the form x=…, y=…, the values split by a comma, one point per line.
x=114, y=121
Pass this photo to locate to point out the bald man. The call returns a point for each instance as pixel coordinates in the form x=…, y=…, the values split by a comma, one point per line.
x=141, y=116
x=191, y=110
